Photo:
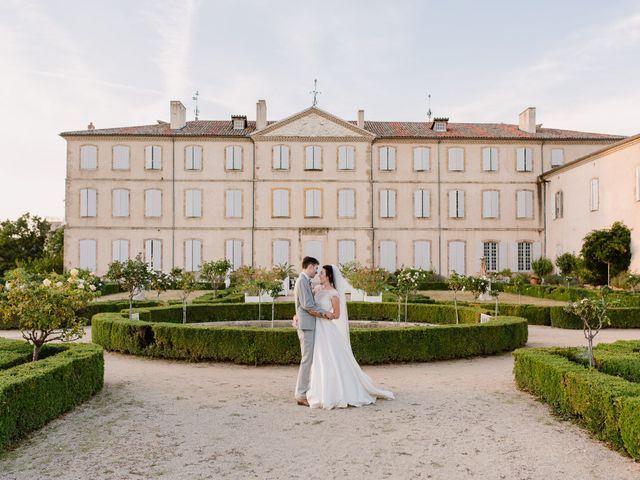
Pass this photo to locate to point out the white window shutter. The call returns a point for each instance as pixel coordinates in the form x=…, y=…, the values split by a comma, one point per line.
x=521, y=204
x=233, y=253
x=460, y=195
x=536, y=251
x=479, y=253
x=456, y=257
x=384, y=158
x=520, y=163
x=452, y=204
x=188, y=251
x=197, y=158
x=120, y=157
x=388, y=255
x=392, y=158
x=422, y=254
x=486, y=204
x=309, y=158
x=88, y=157
x=346, y=251
x=88, y=255
x=421, y=159
x=346, y=203
x=529, y=204
x=280, y=252
x=486, y=159
x=392, y=203
x=502, y=255
x=384, y=204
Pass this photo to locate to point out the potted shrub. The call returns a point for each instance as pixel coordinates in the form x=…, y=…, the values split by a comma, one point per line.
x=374, y=281
x=252, y=282
x=541, y=267
x=351, y=272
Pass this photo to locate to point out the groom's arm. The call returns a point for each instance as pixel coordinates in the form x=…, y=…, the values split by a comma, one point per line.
x=308, y=303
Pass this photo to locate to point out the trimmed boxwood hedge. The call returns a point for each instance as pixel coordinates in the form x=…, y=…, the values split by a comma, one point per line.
x=571, y=294
x=281, y=345
x=535, y=314
x=608, y=405
x=198, y=313
x=33, y=393
x=626, y=317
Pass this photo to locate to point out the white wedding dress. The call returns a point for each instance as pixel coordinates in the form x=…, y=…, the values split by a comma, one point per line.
x=337, y=380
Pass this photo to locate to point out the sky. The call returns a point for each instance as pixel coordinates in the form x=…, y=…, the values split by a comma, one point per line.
x=66, y=63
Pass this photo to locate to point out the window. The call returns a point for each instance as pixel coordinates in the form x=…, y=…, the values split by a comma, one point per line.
x=524, y=256
x=233, y=253
x=346, y=203
x=490, y=252
x=456, y=159
x=595, y=194
x=387, y=158
x=490, y=204
x=388, y=255
x=234, y=204
x=421, y=159
x=280, y=205
x=346, y=157
x=422, y=254
x=120, y=203
x=153, y=203
x=120, y=250
x=88, y=197
x=88, y=157
x=524, y=159
x=490, y=159
x=280, y=157
x=457, y=257
x=193, y=157
x=557, y=157
x=193, y=255
x=440, y=127
x=193, y=203
x=421, y=204
x=456, y=204
x=120, y=157
x=313, y=203
x=558, y=205
x=346, y=251
x=313, y=158
x=524, y=204
x=234, y=157
x=88, y=255
x=153, y=157
x=153, y=253
x=281, y=252
x=387, y=203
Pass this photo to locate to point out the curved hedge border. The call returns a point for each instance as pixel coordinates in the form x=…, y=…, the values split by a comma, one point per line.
x=33, y=393
x=571, y=294
x=281, y=346
x=624, y=317
x=606, y=404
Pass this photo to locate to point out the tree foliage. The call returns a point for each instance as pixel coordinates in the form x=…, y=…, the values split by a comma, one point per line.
x=22, y=240
x=606, y=253
x=134, y=275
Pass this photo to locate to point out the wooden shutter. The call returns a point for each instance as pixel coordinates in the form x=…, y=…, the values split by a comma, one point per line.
x=120, y=250
x=456, y=257
x=456, y=159
x=392, y=203
x=384, y=203
x=313, y=248
x=421, y=159
x=346, y=203
x=422, y=254
x=280, y=252
x=88, y=255
x=88, y=157
x=478, y=254
x=120, y=157
x=453, y=203
x=520, y=160
x=421, y=207
x=120, y=203
x=388, y=255
x=233, y=253
x=536, y=251
x=346, y=251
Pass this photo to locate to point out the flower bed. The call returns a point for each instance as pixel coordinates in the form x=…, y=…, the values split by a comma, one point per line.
x=162, y=337
x=606, y=401
x=33, y=393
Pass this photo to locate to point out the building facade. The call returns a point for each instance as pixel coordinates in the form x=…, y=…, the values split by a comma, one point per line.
x=434, y=195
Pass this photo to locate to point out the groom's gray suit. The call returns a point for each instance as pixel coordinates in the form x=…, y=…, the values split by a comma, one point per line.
x=306, y=331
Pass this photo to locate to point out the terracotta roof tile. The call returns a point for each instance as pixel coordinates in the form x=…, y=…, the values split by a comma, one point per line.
x=224, y=128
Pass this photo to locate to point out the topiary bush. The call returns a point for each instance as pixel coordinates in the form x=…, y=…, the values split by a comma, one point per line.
x=33, y=393
x=603, y=401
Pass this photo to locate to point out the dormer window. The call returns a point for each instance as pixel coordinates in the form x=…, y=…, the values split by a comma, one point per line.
x=239, y=122
x=440, y=124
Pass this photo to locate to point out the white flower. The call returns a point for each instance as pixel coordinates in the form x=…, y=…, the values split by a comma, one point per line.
x=92, y=288
x=74, y=272
x=93, y=274
x=46, y=282
x=80, y=286
x=70, y=280
x=59, y=284
x=7, y=285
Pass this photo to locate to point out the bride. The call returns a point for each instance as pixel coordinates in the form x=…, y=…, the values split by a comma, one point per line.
x=337, y=380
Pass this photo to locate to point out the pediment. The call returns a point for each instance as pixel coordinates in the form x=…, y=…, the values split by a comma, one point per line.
x=313, y=122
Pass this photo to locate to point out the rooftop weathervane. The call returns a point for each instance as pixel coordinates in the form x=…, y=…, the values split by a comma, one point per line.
x=315, y=92
x=429, y=106
x=195, y=97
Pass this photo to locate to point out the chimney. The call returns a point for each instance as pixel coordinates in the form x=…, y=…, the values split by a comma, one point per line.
x=91, y=126
x=528, y=120
x=178, y=115
x=261, y=114
x=360, y=118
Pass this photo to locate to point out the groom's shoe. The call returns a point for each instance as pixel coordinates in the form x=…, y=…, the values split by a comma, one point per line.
x=302, y=401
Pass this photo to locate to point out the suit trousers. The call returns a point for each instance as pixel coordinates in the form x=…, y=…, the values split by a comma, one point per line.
x=307, y=339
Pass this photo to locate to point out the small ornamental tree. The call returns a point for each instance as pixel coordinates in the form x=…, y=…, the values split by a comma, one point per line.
x=593, y=313
x=273, y=287
x=407, y=284
x=606, y=253
x=456, y=284
x=132, y=275
x=187, y=283
x=160, y=282
x=215, y=273
x=542, y=267
x=476, y=285
x=46, y=311
x=519, y=281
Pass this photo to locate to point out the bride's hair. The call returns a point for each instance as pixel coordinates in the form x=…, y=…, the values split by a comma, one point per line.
x=329, y=271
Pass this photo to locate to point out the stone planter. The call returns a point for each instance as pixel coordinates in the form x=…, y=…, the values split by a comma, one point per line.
x=534, y=280
x=285, y=288
x=373, y=298
x=264, y=298
x=357, y=295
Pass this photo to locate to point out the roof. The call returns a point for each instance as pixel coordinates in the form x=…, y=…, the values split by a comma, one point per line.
x=224, y=128
x=592, y=155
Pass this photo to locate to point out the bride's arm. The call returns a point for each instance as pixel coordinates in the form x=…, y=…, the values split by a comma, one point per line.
x=335, y=303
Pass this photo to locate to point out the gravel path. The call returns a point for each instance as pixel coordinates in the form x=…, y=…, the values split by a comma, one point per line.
x=452, y=420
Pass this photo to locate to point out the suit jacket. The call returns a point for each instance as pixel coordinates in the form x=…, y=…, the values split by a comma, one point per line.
x=305, y=302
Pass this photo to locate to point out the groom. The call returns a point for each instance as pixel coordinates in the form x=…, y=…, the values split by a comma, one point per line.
x=306, y=311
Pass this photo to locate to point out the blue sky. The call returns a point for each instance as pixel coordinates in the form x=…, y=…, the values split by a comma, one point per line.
x=66, y=63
